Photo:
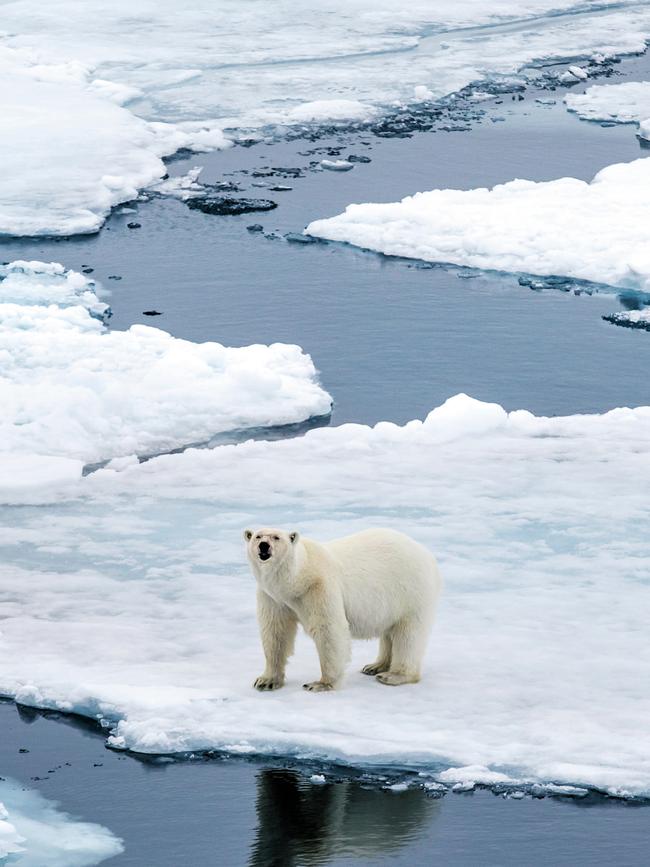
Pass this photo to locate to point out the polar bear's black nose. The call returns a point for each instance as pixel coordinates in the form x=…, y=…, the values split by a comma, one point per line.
x=265, y=550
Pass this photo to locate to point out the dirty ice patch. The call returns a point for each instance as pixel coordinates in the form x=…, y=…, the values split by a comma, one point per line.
x=35, y=832
x=597, y=231
x=628, y=102
x=71, y=388
x=133, y=603
x=70, y=151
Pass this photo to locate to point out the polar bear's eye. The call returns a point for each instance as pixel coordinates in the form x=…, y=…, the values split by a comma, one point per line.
x=258, y=536
x=276, y=538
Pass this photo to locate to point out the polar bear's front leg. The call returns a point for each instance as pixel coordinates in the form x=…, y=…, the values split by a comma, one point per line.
x=278, y=625
x=325, y=621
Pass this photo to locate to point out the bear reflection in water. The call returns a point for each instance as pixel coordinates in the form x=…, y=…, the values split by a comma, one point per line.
x=299, y=823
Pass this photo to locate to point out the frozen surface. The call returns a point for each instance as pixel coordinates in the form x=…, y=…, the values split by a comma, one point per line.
x=133, y=603
x=71, y=388
x=95, y=93
x=595, y=231
x=69, y=151
x=628, y=102
x=10, y=839
x=631, y=319
x=39, y=834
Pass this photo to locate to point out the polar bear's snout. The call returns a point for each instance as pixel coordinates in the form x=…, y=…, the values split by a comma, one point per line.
x=264, y=550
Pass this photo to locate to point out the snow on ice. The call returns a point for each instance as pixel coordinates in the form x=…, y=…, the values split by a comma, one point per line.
x=596, y=231
x=35, y=832
x=95, y=94
x=133, y=602
x=69, y=151
x=628, y=102
x=71, y=388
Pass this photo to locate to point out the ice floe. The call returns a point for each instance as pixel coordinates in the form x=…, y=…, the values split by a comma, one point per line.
x=133, y=604
x=95, y=94
x=71, y=388
x=70, y=152
x=630, y=319
x=628, y=102
x=597, y=231
x=34, y=833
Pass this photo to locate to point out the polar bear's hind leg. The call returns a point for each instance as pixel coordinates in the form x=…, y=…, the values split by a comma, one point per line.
x=382, y=663
x=409, y=640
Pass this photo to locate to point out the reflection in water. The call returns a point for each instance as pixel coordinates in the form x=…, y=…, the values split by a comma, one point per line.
x=299, y=823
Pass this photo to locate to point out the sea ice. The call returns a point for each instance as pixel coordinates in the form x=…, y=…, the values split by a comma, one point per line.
x=39, y=834
x=628, y=102
x=630, y=319
x=95, y=94
x=69, y=151
x=596, y=231
x=71, y=388
x=133, y=604
x=10, y=839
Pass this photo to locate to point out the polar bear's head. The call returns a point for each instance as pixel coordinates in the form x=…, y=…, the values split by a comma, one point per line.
x=268, y=544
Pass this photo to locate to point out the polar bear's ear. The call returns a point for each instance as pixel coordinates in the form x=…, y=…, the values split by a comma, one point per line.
x=248, y=535
x=293, y=537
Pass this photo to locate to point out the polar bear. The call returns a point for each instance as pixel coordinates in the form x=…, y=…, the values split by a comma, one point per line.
x=374, y=584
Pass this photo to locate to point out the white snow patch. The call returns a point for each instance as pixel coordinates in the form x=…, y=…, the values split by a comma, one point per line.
x=324, y=110
x=470, y=775
x=628, y=102
x=595, y=231
x=10, y=839
x=71, y=388
x=337, y=165
x=151, y=609
x=70, y=151
x=40, y=834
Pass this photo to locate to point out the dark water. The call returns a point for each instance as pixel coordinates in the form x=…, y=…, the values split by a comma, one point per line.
x=232, y=813
x=391, y=340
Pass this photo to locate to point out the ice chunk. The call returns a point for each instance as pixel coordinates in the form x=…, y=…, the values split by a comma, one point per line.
x=10, y=839
x=630, y=319
x=337, y=165
x=595, y=231
x=70, y=152
x=39, y=834
x=628, y=102
x=70, y=388
x=143, y=575
x=331, y=110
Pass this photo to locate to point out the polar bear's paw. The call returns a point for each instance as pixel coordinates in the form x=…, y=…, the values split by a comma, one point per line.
x=267, y=683
x=374, y=668
x=390, y=678
x=317, y=686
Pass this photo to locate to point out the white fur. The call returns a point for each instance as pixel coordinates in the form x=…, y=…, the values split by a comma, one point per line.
x=373, y=584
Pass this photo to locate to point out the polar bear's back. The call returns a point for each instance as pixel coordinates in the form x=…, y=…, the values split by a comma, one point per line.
x=385, y=577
